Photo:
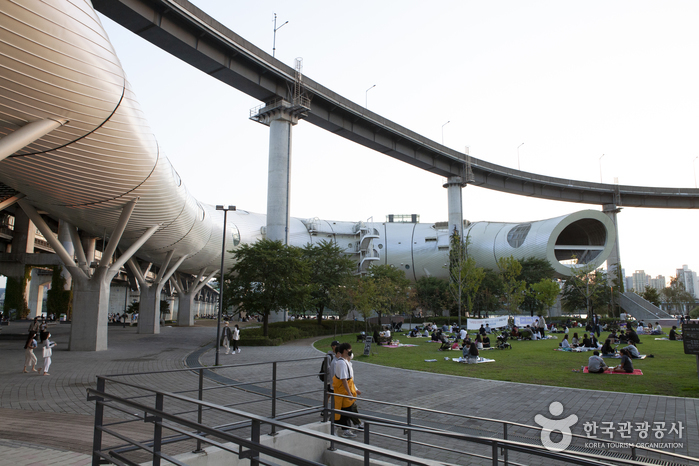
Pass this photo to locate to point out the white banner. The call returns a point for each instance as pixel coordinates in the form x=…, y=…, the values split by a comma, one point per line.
x=493, y=322
x=523, y=321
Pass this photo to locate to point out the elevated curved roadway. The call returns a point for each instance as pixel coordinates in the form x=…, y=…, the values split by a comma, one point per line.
x=185, y=31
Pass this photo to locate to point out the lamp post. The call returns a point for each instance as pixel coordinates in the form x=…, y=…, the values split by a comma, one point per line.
x=366, y=96
x=445, y=124
x=600, y=168
x=220, y=291
x=274, y=51
x=518, y=167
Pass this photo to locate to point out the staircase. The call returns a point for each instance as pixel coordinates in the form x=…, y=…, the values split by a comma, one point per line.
x=641, y=309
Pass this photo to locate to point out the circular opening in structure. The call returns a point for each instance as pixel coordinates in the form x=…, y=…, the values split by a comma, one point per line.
x=517, y=235
x=581, y=242
x=235, y=235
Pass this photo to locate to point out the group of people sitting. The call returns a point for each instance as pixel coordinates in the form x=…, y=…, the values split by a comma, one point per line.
x=576, y=342
x=596, y=365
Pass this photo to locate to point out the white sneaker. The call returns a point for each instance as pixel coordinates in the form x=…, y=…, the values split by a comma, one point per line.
x=238, y=350
x=349, y=434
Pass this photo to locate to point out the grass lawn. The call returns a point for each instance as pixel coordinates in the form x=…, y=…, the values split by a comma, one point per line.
x=670, y=372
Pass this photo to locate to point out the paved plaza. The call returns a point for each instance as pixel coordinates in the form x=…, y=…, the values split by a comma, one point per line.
x=48, y=420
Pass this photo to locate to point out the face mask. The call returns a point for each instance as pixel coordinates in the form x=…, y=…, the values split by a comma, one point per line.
x=351, y=355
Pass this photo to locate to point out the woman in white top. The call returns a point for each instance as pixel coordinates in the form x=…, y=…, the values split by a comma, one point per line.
x=565, y=343
x=47, y=352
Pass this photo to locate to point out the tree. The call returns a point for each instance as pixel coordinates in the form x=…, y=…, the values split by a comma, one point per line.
x=328, y=268
x=268, y=276
x=364, y=298
x=432, y=293
x=676, y=295
x=59, y=300
x=457, y=255
x=544, y=294
x=393, y=292
x=513, y=287
x=487, y=299
x=340, y=299
x=587, y=289
x=472, y=277
x=651, y=295
x=534, y=271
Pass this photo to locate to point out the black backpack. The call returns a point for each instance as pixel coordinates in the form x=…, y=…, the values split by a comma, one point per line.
x=323, y=368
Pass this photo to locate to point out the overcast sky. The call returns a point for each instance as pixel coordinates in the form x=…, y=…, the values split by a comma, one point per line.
x=596, y=90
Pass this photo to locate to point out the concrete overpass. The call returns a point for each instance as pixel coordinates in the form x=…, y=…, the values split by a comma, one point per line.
x=188, y=33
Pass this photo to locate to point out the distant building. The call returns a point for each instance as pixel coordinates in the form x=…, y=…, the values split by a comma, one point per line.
x=689, y=279
x=659, y=283
x=628, y=283
x=639, y=281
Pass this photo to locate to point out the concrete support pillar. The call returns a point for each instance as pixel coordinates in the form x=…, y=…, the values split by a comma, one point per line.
x=23, y=234
x=280, y=116
x=36, y=292
x=454, y=187
x=91, y=291
x=278, y=179
x=88, y=330
x=614, y=260
x=149, y=308
x=185, y=297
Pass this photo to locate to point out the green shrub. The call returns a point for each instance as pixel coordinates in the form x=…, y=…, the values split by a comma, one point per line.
x=694, y=313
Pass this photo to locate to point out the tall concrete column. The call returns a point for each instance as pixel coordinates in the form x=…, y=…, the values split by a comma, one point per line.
x=280, y=116
x=454, y=187
x=91, y=289
x=36, y=292
x=23, y=234
x=614, y=260
x=185, y=297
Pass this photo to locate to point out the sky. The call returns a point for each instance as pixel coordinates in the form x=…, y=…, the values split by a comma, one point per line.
x=595, y=91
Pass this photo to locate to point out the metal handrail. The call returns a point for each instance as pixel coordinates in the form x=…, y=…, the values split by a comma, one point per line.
x=274, y=421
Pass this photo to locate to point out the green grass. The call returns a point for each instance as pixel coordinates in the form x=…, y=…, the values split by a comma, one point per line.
x=670, y=372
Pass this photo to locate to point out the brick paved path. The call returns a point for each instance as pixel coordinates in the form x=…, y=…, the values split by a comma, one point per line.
x=61, y=400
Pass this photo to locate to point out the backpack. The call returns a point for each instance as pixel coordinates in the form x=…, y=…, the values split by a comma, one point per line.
x=323, y=368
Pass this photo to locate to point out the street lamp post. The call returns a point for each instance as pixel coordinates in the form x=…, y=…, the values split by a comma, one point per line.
x=445, y=124
x=274, y=44
x=600, y=168
x=518, y=167
x=220, y=291
x=366, y=96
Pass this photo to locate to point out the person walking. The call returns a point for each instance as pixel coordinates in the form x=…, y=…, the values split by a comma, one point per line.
x=34, y=326
x=235, y=338
x=29, y=356
x=47, y=353
x=343, y=384
x=226, y=337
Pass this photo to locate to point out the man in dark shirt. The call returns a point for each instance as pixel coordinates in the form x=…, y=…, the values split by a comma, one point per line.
x=632, y=336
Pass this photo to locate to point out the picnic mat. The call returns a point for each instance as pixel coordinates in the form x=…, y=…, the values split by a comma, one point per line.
x=575, y=350
x=608, y=371
x=617, y=356
x=396, y=346
x=478, y=361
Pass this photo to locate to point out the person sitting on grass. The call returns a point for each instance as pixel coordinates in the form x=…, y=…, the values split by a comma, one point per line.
x=625, y=365
x=472, y=353
x=674, y=334
x=479, y=342
x=632, y=351
x=587, y=342
x=658, y=330
x=486, y=342
x=607, y=348
x=613, y=337
x=596, y=365
x=575, y=342
x=632, y=336
x=595, y=342
x=565, y=343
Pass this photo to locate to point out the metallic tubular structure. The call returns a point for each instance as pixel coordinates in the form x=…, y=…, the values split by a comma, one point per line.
x=59, y=66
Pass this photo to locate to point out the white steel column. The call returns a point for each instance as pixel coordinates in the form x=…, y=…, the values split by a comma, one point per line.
x=27, y=134
x=278, y=178
x=280, y=116
x=614, y=260
x=454, y=187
